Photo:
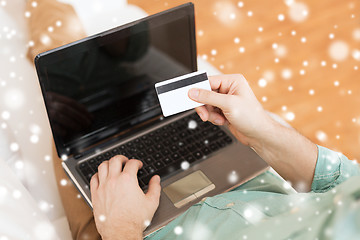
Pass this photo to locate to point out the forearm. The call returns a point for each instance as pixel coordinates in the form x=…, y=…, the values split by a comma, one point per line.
x=125, y=234
x=292, y=155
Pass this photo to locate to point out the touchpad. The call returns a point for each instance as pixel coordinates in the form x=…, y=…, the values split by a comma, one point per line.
x=188, y=188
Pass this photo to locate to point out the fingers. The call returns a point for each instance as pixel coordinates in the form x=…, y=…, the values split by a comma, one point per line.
x=227, y=84
x=208, y=97
x=154, y=188
x=203, y=113
x=132, y=166
x=94, y=183
x=115, y=165
x=103, y=171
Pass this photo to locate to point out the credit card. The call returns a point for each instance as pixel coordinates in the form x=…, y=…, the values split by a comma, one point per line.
x=173, y=93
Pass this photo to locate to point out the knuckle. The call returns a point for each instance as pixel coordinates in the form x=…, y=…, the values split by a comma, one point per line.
x=102, y=166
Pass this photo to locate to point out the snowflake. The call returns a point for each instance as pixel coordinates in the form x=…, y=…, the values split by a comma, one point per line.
x=16, y=194
x=178, y=230
x=27, y=14
x=45, y=39
x=63, y=182
x=147, y=223
x=185, y=165
x=34, y=138
x=356, y=34
x=286, y=73
x=19, y=165
x=356, y=54
x=44, y=206
x=321, y=136
x=14, y=147
x=269, y=75
x=281, y=17
x=192, y=124
x=233, y=177
x=311, y=91
x=262, y=82
x=287, y=184
x=290, y=116
x=280, y=51
x=242, y=49
x=213, y=52
x=35, y=129
x=58, y=23
x=47, y=158
x=298, y=12
x=236, y=40
x=102, y=218
x=338, y=50
x=34, y=4
x=331, y=36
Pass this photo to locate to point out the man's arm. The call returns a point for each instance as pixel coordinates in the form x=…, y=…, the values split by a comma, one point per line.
x=233, y=103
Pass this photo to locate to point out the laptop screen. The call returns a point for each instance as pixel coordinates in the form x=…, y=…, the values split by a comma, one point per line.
x=104, y=84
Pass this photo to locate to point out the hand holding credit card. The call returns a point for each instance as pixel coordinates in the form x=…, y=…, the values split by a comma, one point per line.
x=173, y=93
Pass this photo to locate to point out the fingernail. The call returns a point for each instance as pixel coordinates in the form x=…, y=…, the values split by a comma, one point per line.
x=194, y=93
x=217, y=121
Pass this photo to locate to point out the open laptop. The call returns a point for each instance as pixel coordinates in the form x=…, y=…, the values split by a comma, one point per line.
x=100, y=99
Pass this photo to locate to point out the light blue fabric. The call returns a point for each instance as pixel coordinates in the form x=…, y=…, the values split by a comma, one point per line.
x=263, y=208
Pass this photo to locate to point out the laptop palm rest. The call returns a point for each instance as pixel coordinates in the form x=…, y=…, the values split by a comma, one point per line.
x=188, y=188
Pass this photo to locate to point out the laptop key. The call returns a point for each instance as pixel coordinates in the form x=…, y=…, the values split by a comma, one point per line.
x=165, y=152
x=150, y=169
x=158, y=165
x=198, y=155
x=148, y=160
x=141, y=173
x=150, y=150
x=167, y=160
x=164, y=171
x=190, y=158
x=206, y=150
x=107, y=155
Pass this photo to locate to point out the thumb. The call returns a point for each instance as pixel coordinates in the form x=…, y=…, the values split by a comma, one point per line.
x=154, y=188
x=209, y=97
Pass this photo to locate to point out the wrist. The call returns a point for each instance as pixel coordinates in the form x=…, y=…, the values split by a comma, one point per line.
x=124, y=231
x=264, y=135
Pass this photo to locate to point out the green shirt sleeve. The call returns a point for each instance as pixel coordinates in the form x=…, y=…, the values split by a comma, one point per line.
x=332, y=168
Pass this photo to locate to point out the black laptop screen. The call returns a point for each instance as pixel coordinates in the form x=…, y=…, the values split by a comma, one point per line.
x=104, y=84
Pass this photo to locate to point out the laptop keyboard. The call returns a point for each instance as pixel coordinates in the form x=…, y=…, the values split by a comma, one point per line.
x=166, y=150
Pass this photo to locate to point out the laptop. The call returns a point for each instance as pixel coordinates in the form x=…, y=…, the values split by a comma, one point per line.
x=100, y=99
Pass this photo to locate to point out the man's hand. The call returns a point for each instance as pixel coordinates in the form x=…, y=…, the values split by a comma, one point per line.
x=121, y=209
x=232, y=102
